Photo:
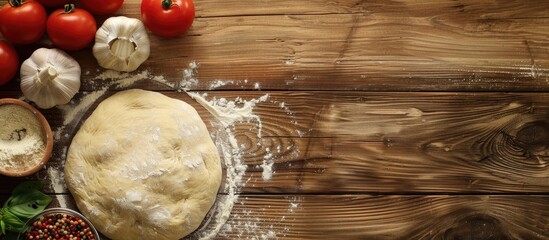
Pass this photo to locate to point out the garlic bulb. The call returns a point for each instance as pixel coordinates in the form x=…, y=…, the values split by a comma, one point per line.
x=121, y=44
x=50, y=77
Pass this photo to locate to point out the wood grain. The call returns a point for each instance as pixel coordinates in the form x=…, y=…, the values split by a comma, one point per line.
x=383, y=217
x=352, y=142
x=371, y=45
x=402, y=8
x=394, y=217
x=356, y=154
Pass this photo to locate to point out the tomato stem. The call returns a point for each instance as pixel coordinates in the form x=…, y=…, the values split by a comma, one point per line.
x=15, y=3
x=69, y=8
x=166, y=4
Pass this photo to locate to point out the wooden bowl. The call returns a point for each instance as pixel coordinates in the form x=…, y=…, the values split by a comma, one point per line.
x=48, y=139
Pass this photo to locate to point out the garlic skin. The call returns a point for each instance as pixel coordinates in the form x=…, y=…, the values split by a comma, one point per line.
x=121, y=44
x=50, y=77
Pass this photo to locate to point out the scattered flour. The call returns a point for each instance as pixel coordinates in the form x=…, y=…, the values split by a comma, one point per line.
x=267, y=166
x=294, y=204
x=129, y=80
x=62, y=200
x=71, y=112
x=227, y=113
x=111, y=74
x=289, y=62
x=269, y=235
x=58, y=132
x=219, y=83
x=190, y=77
x=57, y=177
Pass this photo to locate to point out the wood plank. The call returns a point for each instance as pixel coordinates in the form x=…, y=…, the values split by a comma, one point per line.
x=392, y=217
x=482, y=8
x=372, y=45
x=360, y=142
x=402, y=8
x=384, y=217
x=421, y=55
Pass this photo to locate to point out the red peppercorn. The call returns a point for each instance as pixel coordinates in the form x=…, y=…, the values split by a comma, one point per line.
x=59, y=226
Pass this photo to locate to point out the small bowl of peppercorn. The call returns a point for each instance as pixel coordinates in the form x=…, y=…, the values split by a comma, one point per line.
x=59, y=223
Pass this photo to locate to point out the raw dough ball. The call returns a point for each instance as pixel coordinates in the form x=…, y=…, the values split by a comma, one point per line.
x=143, y=166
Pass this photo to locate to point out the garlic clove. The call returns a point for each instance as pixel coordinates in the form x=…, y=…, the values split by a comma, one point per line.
x=50, y=77
x=121, y=44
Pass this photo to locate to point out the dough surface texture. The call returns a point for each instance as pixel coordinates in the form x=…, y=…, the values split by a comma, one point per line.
x=143, y=166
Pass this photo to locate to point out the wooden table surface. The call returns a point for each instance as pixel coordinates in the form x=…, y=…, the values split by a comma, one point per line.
x=409, y=119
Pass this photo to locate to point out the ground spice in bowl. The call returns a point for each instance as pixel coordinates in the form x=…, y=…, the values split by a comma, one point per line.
x=24, y=142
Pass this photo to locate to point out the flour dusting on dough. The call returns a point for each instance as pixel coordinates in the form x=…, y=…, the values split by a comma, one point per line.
x=110, y=79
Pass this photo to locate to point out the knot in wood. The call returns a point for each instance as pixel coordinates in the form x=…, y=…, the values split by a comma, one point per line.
x=523, y=140
x=477, y=227
x=534, y=135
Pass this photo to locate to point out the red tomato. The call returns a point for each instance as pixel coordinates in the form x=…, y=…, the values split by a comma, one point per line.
x=54, y=3
x=9, y=62
x=167, y=18
x=23, y=23
x=103, y=7
x=71, y=28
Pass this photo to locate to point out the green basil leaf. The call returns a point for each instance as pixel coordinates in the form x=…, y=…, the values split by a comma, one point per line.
x=22, y=188
x=13, y=223
x=28, y=204
x=3, y=226
x=26, y=201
